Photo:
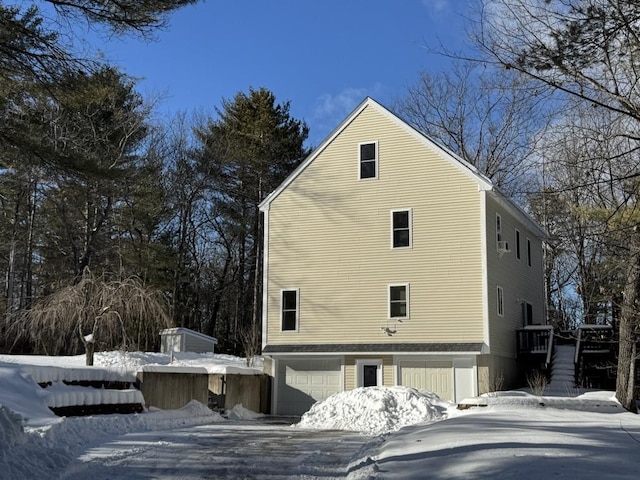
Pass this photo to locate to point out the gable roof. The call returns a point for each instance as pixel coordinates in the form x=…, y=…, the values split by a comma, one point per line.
x=483, y=182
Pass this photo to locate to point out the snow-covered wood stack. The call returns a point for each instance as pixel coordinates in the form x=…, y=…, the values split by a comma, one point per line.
x=76, y=391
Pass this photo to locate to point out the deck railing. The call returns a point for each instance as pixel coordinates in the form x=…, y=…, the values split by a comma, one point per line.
x=535, y=339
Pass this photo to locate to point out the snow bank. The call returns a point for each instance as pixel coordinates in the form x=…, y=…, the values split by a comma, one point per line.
x=240, y=413
x=596, y=401
x=24, y=398
x=375, y=410
x=21, y=449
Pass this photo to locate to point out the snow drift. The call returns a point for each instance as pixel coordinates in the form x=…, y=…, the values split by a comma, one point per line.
x=375, y=410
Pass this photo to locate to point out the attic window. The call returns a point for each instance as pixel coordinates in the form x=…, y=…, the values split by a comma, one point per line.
x=368, y=160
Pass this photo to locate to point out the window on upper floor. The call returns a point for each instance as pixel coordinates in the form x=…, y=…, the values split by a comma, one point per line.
x=399, y=301
x=500, y=302
x=401, y=228
x=368, y=160
x=528, y=252
x=517, y=244
x=289, y=309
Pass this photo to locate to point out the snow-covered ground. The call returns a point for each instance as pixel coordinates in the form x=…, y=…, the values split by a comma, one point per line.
x=405, y=434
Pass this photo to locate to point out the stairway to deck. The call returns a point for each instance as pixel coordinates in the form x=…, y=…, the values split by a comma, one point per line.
x=563, y=381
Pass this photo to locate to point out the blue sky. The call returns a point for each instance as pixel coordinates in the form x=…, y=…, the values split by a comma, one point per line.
x=324, y=56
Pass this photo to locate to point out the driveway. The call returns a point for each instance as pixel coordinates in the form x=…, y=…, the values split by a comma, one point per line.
x=228, y=450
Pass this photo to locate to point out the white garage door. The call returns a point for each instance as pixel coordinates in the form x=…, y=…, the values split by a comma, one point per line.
x=437, y=377
x=301, y=383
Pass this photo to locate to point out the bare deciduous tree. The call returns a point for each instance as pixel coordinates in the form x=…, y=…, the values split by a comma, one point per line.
x=587, y=49
x=487, y=116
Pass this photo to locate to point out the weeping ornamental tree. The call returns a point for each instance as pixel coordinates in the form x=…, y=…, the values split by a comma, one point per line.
x=117, y=314
x=589, y=50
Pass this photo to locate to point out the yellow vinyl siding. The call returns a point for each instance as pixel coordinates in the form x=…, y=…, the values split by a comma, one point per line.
x=329, y=236
x=518, y=281
x=388, y=367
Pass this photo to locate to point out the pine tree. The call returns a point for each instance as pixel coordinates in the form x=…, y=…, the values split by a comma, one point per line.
x=246, y=152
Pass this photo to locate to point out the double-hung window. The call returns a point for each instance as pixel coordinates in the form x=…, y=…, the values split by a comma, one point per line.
x=517, y=244
x=498, y=227
x=401, y=228
x=289, y=309
x=399, y=301
x=500, y=302
x=528, y=252
x=368, y=160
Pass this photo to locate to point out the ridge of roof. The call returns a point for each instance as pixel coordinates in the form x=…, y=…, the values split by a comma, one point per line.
x=484, y=182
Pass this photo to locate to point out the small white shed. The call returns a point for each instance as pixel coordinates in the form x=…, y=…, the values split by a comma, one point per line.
x=182, y=339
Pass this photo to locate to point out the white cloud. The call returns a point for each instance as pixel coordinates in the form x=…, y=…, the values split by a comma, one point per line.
x=340, y=104
x=436, y=6
x=330, y=109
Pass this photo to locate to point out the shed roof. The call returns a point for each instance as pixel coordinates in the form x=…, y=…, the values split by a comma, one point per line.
x=188, y=331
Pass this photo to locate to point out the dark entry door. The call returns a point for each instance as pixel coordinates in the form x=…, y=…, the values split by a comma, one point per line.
x=370, y=376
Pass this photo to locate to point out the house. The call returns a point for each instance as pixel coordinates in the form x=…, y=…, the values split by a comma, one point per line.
x=388, y=260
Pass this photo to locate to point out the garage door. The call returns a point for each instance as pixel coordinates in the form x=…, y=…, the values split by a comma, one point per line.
x=301, y=383
x=437, y=377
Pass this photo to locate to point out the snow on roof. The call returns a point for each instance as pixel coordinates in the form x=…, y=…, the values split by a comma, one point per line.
x=188, y=331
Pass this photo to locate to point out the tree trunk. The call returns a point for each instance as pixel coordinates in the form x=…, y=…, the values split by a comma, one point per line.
x=625, y=382
x=89, y=349
x=11, y=266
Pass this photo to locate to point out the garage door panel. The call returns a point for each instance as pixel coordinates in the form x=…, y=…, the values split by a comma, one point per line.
x=436, y=377
x=301, y=383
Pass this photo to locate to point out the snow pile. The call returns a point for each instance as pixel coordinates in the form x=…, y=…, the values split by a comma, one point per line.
x=22, y=396
x=595, y=401
x=375, y=410
x=21, y=449
x=239, y=412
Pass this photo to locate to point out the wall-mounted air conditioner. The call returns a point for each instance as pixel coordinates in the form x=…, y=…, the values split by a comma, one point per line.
x=503, y=246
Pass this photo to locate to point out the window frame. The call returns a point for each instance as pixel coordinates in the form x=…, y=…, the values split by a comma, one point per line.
x=409, y=228
x=518, y=252
x=529, y=251
x=500, y=301
x=526, y=309
x=361, y=363
x=498, y=228
x=406, y=301
x=282, y=309
x=375, y=160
